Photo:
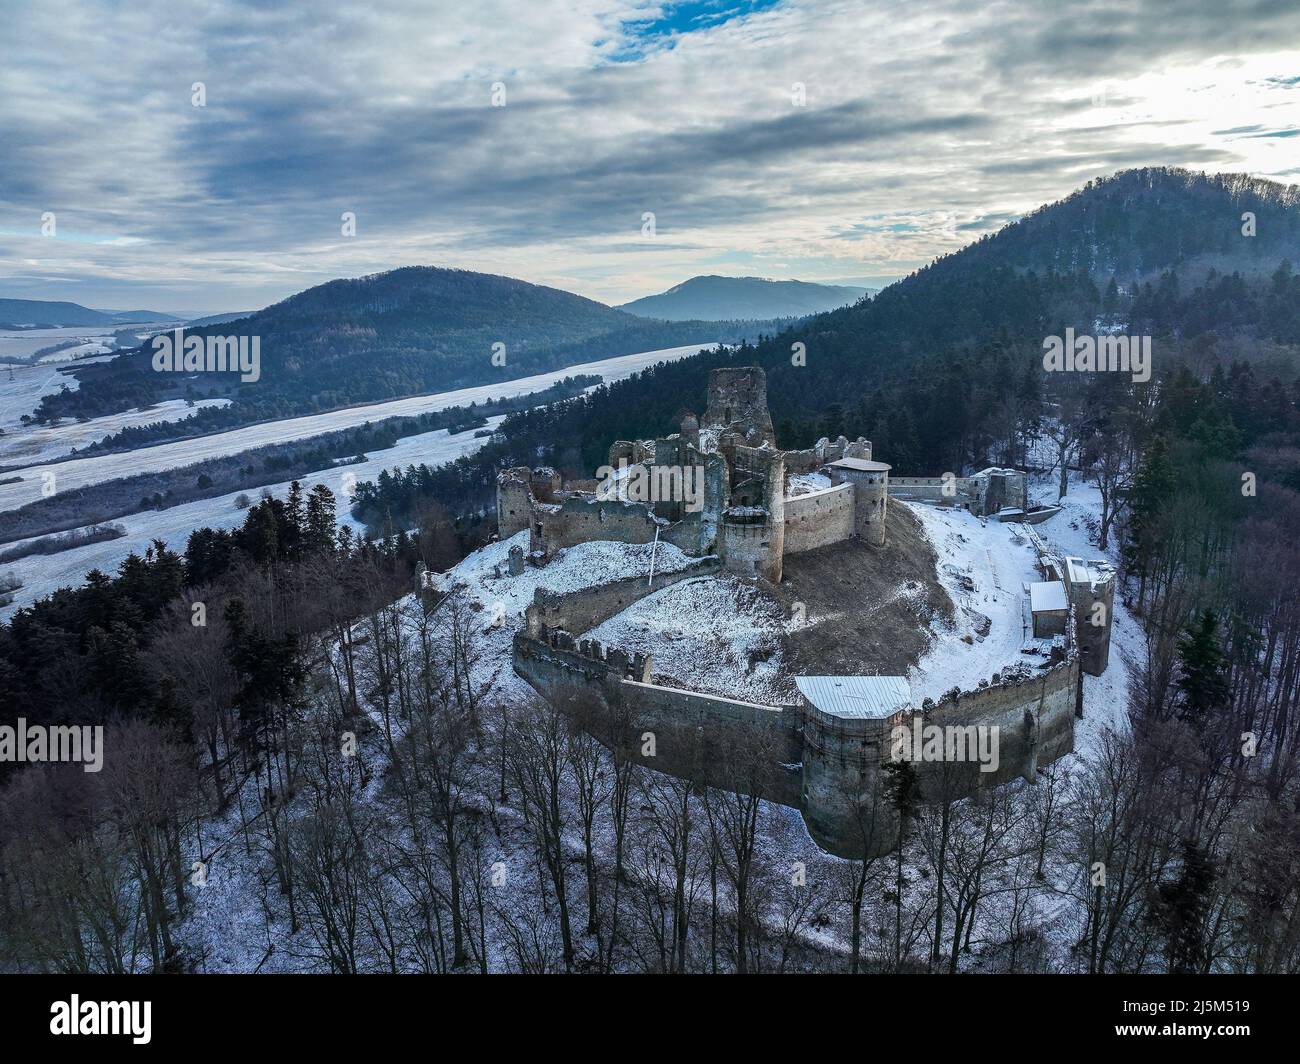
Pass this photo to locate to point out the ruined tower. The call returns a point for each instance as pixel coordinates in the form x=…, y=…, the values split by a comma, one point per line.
x=738, y=403
x=514, y=501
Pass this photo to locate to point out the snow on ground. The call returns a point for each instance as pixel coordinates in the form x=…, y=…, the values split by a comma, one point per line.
x=501, y=599
x=44, y=443
x=22, y=394
x=43, y=574
x=24, y=343
x=807, y=483
x=711, y=634
x=1074, y=532
x=77, y=472
x=983, y=565
x=76, y=354
x=997, y=559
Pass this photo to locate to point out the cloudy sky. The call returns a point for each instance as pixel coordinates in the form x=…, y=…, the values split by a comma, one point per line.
x=818, y=139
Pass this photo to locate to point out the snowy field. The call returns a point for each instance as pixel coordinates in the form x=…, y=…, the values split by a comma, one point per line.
x=21, y=390
x=24, y=343
x=39, y=444
x=78, y=472
x=42, y=574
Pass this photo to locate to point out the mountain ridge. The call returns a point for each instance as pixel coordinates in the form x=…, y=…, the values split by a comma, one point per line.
x=713, y=297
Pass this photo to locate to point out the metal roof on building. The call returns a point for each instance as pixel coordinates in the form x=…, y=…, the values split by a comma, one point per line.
x=1048, y=597
x=856, y=697
x=861, y=464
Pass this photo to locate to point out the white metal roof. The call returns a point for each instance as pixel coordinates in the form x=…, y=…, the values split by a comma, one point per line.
x=861, y=464
x=1048, y=596
x=856, y=697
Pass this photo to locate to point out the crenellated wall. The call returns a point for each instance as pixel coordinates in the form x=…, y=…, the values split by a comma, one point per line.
x=797, y=756
x=717, y=741
x=1034, y=717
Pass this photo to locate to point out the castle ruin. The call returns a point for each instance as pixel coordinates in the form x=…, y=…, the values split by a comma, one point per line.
x=721, y=491
x=752, y=502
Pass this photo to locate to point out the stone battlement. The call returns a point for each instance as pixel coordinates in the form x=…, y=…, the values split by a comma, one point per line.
x=797, y=755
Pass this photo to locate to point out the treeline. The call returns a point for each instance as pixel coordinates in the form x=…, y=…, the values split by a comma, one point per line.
x=930, y=405
x=271, y=464
x=68, y=541
x=86, y=655
x=410, y=331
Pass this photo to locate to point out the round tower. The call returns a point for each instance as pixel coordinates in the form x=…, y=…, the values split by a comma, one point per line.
x=870, y=482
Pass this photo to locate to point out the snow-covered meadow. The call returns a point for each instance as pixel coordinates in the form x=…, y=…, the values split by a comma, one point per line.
x=42, y=574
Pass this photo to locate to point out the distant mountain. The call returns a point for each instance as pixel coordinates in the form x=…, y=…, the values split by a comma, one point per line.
x=925, y=368
x=218, y=319
x=713, y=298
x=129, y=317
x=405, y=332
x=49, y=314
x=52, y=314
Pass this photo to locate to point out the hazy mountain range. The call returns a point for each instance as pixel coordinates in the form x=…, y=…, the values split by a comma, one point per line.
x=713, y=298
x=15, y=313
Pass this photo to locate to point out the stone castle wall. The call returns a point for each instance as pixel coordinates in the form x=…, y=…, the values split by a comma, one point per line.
x=793, y=755
x=819, y=518
x=585, y=518
x=1035, y=721
x=581, y=611
x=706, y=738
x=931, y=489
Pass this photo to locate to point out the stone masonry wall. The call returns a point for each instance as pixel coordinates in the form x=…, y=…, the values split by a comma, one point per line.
x=580, y=611
x=819, y=518
x=719, y=741
x=841, y=758
x=582, y=520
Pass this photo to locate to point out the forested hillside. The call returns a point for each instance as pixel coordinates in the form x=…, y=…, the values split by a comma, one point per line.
x=404, y=332
x=727, y=298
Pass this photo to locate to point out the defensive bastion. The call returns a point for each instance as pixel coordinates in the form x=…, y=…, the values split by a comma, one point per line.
x=825, y=764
